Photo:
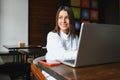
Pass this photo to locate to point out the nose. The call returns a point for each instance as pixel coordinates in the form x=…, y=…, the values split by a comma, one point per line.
x=63, y=20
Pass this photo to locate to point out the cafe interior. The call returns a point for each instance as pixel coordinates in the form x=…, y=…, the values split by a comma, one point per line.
x=24, y=25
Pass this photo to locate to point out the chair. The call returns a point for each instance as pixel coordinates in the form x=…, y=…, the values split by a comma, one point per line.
x=36, y=73
x=14, y=69
x=4, y=77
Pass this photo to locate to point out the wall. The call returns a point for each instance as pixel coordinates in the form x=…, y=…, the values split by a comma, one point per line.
x=41, y=20
x=109, y=11
x=85, y=11
x=112, y=12
x=13, y=22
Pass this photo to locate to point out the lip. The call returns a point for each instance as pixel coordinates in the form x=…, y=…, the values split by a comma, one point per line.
x=63, y=24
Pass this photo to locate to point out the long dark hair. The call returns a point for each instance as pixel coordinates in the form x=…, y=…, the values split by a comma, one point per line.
x=71, y=18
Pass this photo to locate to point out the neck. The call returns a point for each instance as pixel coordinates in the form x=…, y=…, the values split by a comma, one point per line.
x=66, y=31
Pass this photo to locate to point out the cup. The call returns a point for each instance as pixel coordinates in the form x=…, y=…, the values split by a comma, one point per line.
x=22, y=44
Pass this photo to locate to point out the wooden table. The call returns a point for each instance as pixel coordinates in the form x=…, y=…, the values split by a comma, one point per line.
x=16, y=47
x=28, y=53
x=13, y=49
x=98, y=72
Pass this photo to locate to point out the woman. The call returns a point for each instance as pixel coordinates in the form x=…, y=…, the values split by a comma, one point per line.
x=62, y=42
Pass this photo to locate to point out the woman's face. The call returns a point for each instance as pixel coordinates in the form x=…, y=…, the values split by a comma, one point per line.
x=63, y=21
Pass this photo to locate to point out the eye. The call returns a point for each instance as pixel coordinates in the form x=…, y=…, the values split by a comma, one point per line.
x=60, y=17
x=66, y=17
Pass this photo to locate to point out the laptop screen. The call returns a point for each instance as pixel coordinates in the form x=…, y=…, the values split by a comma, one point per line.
x=98, y=44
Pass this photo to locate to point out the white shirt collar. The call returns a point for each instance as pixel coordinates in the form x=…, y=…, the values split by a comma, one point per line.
x=64, y=36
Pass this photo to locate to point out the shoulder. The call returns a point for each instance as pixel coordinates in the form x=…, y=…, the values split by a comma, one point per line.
x=52, y=34
x=75, y=38
x=53, y=37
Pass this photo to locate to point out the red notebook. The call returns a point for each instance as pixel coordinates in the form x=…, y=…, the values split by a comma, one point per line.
x=50, y=63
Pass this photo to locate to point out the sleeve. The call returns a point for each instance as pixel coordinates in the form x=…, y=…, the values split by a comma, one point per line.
x=55, y=48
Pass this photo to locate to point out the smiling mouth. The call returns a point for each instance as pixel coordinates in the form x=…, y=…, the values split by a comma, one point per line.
x=63, y=24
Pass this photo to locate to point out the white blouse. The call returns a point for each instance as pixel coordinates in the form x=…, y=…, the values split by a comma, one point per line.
x=58, y=47
x=62, y=46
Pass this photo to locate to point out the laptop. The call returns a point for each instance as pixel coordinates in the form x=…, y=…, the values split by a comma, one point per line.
x=98, y=44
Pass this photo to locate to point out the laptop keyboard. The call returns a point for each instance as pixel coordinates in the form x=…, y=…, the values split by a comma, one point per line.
x=70, y=61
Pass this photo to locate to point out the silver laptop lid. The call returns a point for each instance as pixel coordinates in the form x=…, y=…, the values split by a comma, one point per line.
x=98, y=44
